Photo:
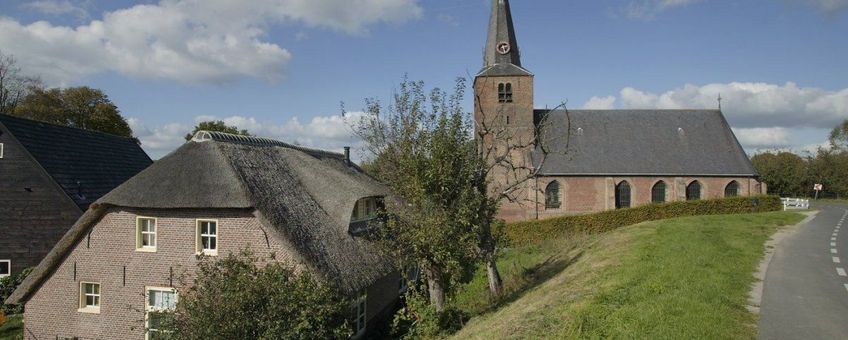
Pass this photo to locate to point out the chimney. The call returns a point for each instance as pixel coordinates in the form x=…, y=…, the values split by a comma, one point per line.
x=347, y=155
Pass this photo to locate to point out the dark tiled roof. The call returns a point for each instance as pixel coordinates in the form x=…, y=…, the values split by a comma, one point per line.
x=86, y=164
x=642, y=142
x=501, y=30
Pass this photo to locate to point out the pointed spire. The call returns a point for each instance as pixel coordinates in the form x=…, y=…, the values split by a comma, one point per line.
x=501, y=47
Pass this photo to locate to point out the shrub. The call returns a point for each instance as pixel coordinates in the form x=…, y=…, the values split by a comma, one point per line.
x=523, y=233
x=7, y=286
x=246, y=298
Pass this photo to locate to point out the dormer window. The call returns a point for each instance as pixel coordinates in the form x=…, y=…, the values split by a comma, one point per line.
x=505, y=93
x=364, y=212
x=365, y=209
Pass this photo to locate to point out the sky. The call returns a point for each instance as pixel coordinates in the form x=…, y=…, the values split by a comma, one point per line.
x=285, y=68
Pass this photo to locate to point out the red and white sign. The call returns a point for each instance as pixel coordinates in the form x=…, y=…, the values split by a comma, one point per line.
x=818, y=187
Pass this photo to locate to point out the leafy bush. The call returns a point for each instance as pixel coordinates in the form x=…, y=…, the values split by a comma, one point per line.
x=7, y=286
x=245, y=298
x=522, y=233
x=419, y=319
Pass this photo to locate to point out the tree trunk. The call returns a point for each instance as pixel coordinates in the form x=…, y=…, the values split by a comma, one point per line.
x=495, y=282
x=437, y=293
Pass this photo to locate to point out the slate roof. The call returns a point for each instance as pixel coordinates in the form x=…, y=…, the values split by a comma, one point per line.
x=86, y=164
x=501, y=29
x=641, y=142
x=305, y=196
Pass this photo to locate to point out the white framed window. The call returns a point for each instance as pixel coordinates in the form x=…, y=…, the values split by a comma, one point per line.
x=145, y=234
x=357, y=313
x=89, y=297
x=207, y=237
x=5, y=268
x=160, y=302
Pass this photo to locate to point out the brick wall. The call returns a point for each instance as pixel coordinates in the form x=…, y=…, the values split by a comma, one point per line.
x=34, y=211
x=111, y=247
x=583, y=194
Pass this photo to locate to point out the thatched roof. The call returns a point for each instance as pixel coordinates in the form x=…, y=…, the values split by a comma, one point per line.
x=307, y=196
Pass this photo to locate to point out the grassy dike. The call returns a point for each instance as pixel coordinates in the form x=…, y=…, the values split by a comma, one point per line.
x=678, y=278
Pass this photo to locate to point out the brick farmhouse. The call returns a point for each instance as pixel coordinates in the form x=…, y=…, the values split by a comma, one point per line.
x=215, y=195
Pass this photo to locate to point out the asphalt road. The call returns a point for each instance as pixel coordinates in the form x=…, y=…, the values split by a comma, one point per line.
x=805, y=292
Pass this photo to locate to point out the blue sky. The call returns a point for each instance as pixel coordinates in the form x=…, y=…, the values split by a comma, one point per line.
x=281, y=68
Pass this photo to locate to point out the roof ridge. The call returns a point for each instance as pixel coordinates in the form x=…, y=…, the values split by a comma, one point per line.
x=217, y=136
x=95, y=132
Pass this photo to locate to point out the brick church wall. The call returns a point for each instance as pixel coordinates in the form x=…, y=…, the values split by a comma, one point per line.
x=587, y=194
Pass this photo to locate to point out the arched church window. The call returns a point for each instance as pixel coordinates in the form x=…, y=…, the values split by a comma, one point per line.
x=552, y=200
x=505, y=93
x=622, y=195
x=658, y=192
x=693, y=191
x=732, y=189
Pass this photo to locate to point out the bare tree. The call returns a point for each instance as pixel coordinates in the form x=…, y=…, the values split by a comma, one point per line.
x=14, y=85
x=513, y=156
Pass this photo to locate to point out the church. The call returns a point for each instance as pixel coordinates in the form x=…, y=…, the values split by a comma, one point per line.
x=554, y=162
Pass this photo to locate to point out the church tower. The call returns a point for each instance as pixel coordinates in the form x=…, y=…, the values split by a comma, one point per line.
x=503, y=101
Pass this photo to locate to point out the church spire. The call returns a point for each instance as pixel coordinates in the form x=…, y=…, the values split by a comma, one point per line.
x=501, y=46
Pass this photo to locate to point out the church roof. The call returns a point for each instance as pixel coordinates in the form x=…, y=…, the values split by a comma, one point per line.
x=497, y=59
x=86, y=164
x=641, y=142
x=305, y=196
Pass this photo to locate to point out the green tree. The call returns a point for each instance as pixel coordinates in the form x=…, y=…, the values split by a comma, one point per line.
x=839, y=136
x=79, y=107
x=216, y=125
x=243, y=297
x=14, y=84
x=785, y=173
x=828, y=167
x=423, y=148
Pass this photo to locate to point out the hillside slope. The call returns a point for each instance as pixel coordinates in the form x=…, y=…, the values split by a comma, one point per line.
x=672, y=279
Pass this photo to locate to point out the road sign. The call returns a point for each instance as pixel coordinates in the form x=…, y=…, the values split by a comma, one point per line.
x=818, y=187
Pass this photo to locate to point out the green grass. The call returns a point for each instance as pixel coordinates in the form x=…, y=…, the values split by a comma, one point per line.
x=830, y=201
x=672, y=279
x=13, y=328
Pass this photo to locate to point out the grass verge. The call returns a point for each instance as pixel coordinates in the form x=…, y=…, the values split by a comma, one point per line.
x=671, y=279
x=13, y=328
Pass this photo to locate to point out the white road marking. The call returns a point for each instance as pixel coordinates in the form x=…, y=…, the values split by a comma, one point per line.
x=833, y=238
x=836, y=260
x=833, y=244
x=833, y=250
x=846, y=286
x=841, y=272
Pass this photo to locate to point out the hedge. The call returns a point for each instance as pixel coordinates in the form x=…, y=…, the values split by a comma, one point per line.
x=527, y=232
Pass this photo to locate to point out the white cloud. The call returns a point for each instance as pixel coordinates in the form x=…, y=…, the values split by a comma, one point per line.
x=600, y=103
x=331, y=133
x=828, y=6
x=60, y=7
x=186, y=40
x=764, y=116
x=771, y=137
x=648, y=9
x=749, y=104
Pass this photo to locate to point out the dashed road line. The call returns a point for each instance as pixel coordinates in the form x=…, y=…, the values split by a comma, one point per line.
x=833, y=250
x=836, y=260
x=833, y=244
x=841, y=272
